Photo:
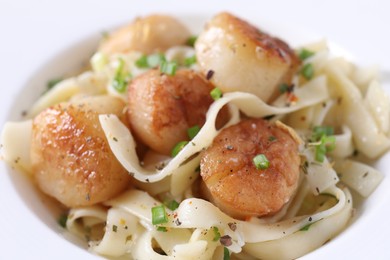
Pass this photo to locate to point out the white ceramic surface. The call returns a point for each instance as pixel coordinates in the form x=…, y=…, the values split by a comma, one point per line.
x=43, y=39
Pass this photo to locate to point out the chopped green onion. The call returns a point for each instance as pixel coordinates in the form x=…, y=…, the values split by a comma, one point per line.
x=319, y=131
x=171, y=204
x=178, y=147
x=216, y=93
x=330, y=143
x=162, y=229
x=62, y=220
x=159, y=215
x=154, y=60
x=320, y=152
x=189, y=61
x=121, y=79
x=283, y=88
x=308, y=71
x=261, y=162
x=217, y=235
x=304, y=54
x=327, y=144
x=51, y=83
x=226, y=254
x=168, y=68
x=306, y=228
x=142, y=62
x=191, y=41
x=193, y=131
x=150, y=61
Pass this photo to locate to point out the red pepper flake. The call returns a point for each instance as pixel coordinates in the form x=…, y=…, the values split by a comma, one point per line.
x=291, y=97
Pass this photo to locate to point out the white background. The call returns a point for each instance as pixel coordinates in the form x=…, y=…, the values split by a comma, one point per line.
x=33, y=31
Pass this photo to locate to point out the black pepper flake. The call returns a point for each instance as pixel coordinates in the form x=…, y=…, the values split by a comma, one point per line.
x=177, y=222
x=115, y=139
x=232, y=226
x=365, y=174
x=226, y=240
x=24, y=113
x=147, y=180
x=209, y=74
x=318, y=190
x=310, y=219
x=115, y=228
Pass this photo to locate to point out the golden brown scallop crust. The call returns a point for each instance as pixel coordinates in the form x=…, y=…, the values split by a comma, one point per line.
x=163, y=107
x=150, y=34
x=244, y=58
x=233, y=182
x=71, y=158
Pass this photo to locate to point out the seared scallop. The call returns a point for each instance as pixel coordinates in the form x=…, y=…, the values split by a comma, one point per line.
x=154, y=33
x=243, y=58
x=233, y=181
x=163, y=107
x=71, y=158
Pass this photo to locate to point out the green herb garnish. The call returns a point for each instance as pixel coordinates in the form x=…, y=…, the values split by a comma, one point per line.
x=191, y=41
x=142, y=62
x=216, y=93
x=189, y=61
x=162, y=229
x=171, y=204
x=217, y=235
x=193, y=131
x=306, y=228
x=159, y=215
x=121, y=78
x=51, y=83
x=226, y=254
x=304, y=54
x=168, y=68
x=283, y=88
x=154, y=60
x=62, y=220
x=178, y=147
x=261, y=162
x=307, y=71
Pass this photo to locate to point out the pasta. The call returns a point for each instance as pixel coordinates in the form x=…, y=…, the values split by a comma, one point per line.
x=337, y=112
